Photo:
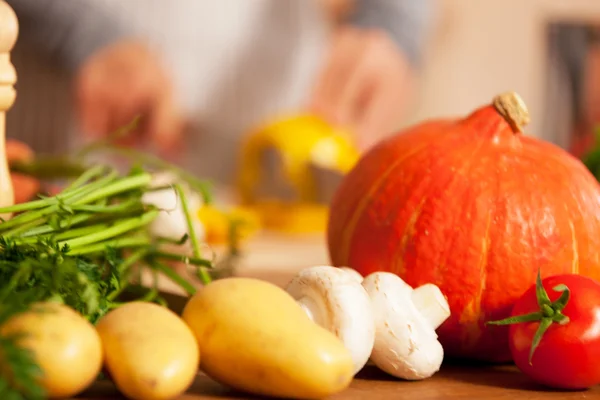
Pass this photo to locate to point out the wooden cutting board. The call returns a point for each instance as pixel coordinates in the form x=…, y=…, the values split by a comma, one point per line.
x=276, y=259
x=452, y=382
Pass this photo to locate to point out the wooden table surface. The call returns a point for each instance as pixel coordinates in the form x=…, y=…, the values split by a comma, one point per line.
x=452, y=382
x=277, y=259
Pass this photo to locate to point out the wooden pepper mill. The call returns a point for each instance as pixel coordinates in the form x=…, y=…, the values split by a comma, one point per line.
x=9, y=28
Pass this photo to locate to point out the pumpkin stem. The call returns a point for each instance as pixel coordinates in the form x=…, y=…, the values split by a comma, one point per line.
x=513, y=109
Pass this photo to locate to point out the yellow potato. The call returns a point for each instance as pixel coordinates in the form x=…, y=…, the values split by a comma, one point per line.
x=254, y=337
x=66, y=347
x=150, y=353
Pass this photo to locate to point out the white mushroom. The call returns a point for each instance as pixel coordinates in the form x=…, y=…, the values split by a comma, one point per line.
x=406, y=344
x=171, y=222
x=353, y=273
x=335, y=300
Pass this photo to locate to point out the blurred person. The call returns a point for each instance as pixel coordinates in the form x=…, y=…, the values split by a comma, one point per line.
x=212, y=69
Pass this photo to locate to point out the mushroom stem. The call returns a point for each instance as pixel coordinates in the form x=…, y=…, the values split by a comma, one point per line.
x=337, y=301
x=431, y=304
x=406, y=344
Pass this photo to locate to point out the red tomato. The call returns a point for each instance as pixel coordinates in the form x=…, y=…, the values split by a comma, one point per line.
x=568, y=353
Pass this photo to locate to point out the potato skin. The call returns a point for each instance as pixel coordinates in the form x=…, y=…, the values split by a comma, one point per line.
x=150, y=353
x=66, y=346
x=254, y=337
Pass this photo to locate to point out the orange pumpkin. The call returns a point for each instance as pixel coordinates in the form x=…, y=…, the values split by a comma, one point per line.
x=475, y=207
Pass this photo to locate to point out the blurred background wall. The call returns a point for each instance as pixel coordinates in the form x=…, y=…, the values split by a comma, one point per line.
x=477, y=49
x=482, y=47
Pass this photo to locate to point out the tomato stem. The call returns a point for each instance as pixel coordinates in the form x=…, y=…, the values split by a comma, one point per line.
x=537, y=337
x=550, y=312
x=532, y=317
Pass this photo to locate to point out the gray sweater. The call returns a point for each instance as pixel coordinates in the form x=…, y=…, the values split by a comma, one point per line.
x=71, y=30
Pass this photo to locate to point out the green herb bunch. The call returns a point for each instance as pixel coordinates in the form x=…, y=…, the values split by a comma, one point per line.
x=85, y=247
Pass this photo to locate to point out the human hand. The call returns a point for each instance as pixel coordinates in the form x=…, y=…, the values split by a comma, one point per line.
x=363, y=85
x=120, y=82
x=337, y=10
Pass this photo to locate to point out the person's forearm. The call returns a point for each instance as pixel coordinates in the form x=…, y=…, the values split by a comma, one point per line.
x=68, y=30
x=407, y=21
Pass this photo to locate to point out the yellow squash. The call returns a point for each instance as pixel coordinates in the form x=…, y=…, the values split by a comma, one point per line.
x=254, y=337
x=65, y=345
x=302, y=141
x=150, y=353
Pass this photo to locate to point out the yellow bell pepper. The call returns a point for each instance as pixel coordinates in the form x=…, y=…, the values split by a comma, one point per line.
x=218, y=223
x=302, y=141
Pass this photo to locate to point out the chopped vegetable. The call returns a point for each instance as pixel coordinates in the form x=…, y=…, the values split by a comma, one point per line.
x=554, y=336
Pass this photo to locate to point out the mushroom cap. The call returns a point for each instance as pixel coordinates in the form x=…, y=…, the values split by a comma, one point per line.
x=406, y=346
x=339, y=304
x=354, y=273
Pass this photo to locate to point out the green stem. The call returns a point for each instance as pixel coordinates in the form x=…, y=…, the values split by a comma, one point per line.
x=532, y=317
x=203, y=187
x=83, y=231
x=537, y=337
x=188, y=220
x=34, y=204
x=540, y=292
x=65, y=194
x=203, y=274
x=550, y=312
x=124, y=268
x=18, y=231
x=54, y=203
x=110, y=138
x=168, y=240
x=134, y=203
x=65, y=223
x=120, y=186
x=81, y=191
x=130, y=241
x=49, y=167
x=85, y=177
x=28, y=206
x=172, y=275
x=132, y=259
x=150, y=296
x=183, y=259
x=115, y=230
